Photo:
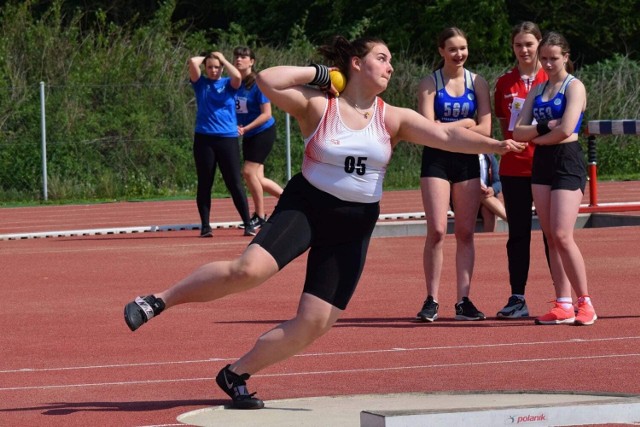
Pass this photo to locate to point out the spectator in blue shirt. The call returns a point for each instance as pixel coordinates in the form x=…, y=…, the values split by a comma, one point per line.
x=215, y=142
x=257, y=127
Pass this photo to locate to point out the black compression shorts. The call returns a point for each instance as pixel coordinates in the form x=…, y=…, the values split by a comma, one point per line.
x=561, y=166
x=336, y=232
x=256, y=148
x=452, y=167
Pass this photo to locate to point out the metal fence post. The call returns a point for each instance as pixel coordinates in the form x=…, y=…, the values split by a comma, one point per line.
x=43, y=126
x=288, y=124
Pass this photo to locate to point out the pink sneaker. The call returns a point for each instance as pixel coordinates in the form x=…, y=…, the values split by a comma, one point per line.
x=586, y=313
x=558, y=315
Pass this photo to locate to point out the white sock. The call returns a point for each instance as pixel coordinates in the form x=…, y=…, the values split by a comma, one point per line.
x=565, y=302
x=585, y=298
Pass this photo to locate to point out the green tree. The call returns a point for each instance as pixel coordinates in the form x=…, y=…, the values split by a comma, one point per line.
x=410, y=27
x=595, y=29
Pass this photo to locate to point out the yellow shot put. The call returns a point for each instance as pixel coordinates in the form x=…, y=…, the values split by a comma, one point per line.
x=338, y=80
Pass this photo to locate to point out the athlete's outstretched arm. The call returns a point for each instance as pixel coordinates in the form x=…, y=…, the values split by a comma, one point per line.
x=408, y=125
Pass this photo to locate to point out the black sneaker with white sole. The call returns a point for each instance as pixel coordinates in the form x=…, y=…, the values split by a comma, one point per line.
x=236, y=388
x=255, y=221
x=250, y=230
x=429, y=311
x=516, y=307
x=141, y=310
x=205, y=231
x=465, y=310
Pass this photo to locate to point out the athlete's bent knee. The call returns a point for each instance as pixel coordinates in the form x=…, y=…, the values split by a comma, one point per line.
x=316, y=326
x=250, y=271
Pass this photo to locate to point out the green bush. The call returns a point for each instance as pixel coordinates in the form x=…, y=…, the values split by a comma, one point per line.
x=120, y=110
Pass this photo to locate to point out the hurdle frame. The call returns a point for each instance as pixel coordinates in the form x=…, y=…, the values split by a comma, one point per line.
x=606, y=127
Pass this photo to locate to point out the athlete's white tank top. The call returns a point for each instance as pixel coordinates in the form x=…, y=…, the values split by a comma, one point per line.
x=348, y=164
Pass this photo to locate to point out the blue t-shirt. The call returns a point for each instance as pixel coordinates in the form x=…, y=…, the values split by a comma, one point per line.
x=553, y=108
x=248, y=102
x=449, y=108
x=216, y=113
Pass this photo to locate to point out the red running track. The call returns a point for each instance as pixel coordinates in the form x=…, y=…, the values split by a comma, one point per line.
x=68, y=359
x=131, y=214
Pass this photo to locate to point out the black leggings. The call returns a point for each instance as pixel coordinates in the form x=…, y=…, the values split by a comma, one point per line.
x=518, y=199
x=208, y=152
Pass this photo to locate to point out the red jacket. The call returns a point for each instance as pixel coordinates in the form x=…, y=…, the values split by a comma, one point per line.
x=509, y=86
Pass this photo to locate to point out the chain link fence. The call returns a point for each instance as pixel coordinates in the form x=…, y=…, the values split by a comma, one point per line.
x=105, y=142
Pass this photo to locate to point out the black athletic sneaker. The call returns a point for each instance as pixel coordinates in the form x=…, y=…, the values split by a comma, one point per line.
x=255, y=221
x=206, y=231
x=516, y=307
x=429, y=311
x=236, y=387
x=250, y=230
x=465, y=310
x=140, y=310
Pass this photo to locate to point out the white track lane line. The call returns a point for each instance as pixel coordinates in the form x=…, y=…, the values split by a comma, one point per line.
x=324, y=354
x=329, y=372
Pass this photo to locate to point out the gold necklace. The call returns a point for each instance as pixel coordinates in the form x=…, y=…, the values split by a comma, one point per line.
x=364, y=113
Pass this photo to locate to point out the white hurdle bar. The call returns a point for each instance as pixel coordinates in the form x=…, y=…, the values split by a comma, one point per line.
x=605, y=127
x=613, y=127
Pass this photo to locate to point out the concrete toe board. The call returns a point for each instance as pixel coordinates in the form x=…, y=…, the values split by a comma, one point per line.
x=346, y=410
